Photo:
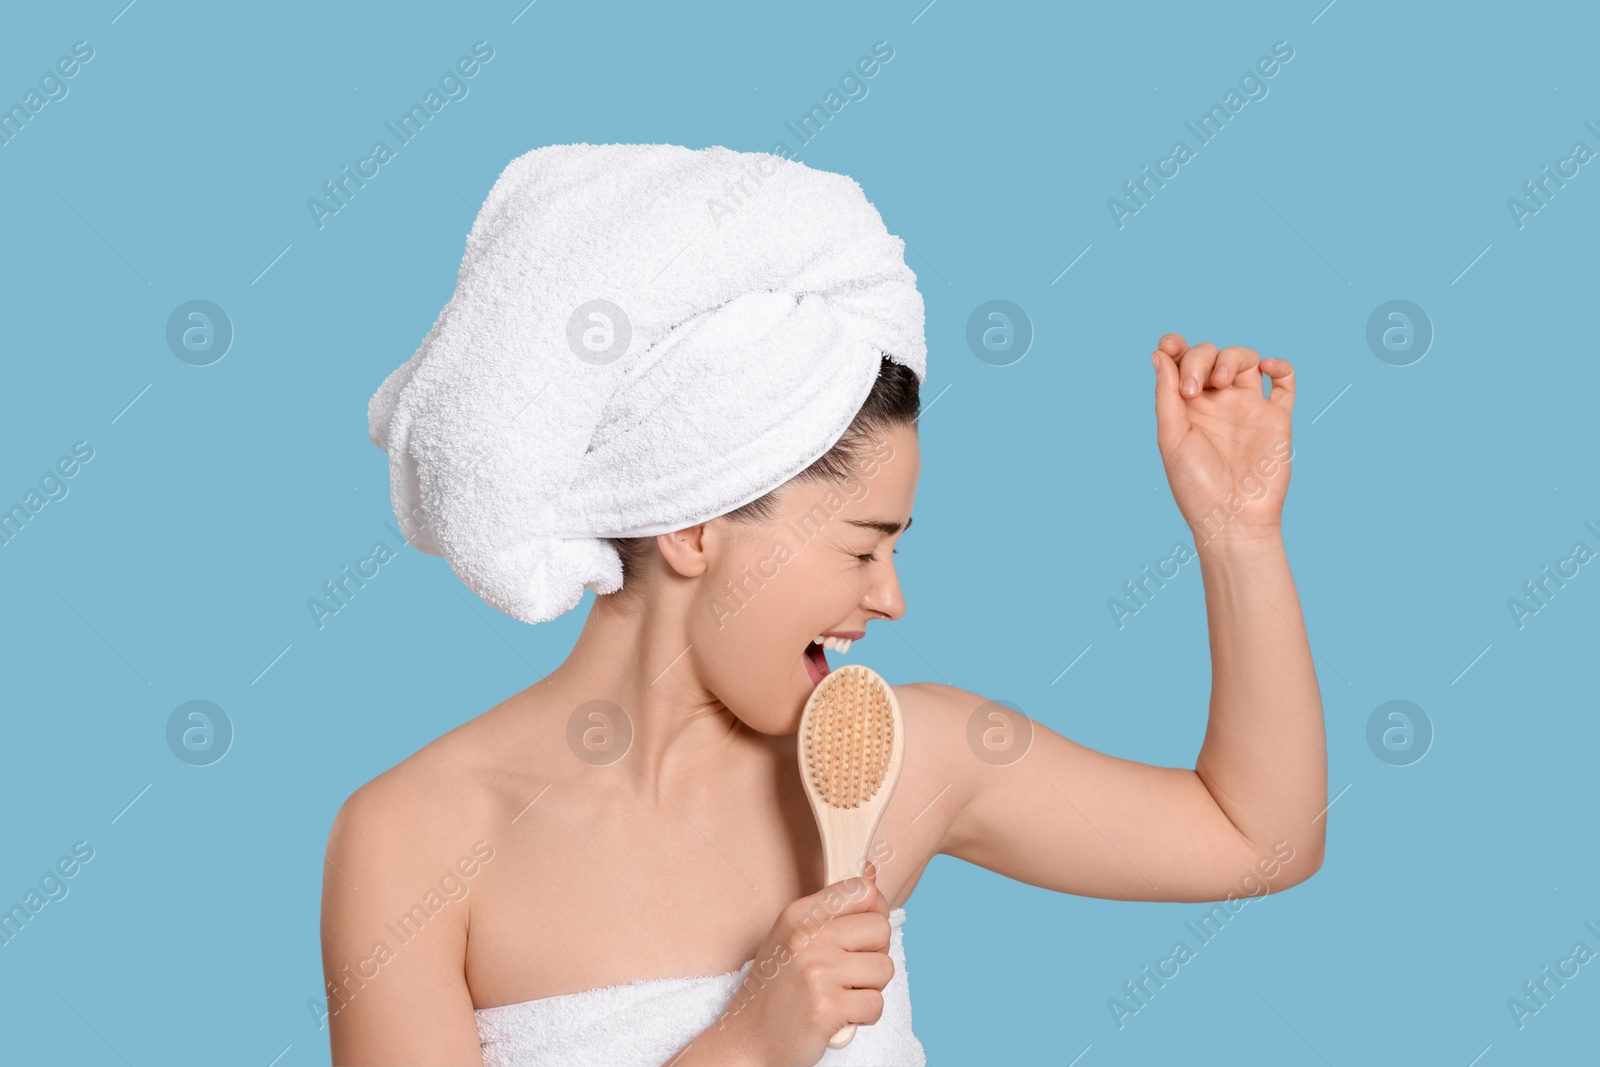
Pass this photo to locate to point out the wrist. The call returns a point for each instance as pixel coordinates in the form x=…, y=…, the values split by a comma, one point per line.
x=715, y=1046
x=1237, y=545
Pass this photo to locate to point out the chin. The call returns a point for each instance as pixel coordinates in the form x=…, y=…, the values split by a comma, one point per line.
x=771, y=725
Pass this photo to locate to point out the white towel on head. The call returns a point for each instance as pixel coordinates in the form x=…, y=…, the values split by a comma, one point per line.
x=642, y=338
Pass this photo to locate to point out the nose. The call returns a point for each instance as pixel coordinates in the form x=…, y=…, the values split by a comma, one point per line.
x=882, y=594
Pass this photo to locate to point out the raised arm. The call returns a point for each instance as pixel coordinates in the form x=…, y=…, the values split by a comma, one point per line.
x=1250, y=817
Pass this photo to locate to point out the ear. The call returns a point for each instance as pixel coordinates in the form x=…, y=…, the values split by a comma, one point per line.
x=685, y=550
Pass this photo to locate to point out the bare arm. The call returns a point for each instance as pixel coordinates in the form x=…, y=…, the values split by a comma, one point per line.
x=393, y=939
x=1226, y=449
x=1069, y=818
x=1250, y=817
x=708, y=1050
x=1264, y=759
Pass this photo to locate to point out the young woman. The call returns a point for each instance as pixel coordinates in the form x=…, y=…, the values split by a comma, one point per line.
x=710, y=420
x=694, y=852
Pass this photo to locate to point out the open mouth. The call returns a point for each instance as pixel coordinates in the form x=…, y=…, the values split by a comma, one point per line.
x=816, y=662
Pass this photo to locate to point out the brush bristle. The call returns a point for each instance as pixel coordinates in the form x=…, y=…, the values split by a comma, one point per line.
x=850, y=737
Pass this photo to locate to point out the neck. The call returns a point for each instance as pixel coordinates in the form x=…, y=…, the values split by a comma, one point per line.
x=641, y=661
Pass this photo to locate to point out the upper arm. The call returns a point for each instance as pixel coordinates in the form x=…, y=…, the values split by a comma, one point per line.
x=1069, y=818
x=387, y=877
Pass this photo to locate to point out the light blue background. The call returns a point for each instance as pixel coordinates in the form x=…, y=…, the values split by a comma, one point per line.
x=1378, y=168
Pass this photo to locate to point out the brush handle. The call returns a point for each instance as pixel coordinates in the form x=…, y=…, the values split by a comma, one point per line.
x=837, y=871
x=847, y=832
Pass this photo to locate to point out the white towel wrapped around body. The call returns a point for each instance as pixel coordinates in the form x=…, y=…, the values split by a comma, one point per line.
x=641, y=338
x=645, y=1023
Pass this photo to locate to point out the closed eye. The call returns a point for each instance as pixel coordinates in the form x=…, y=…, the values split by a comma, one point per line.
x=872, y=557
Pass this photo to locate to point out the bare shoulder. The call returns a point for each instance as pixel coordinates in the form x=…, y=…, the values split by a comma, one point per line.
x=945, y=716
x=949, y=733
x=414, y=830
x=429, y=800
x=402, y=856
x=936, y=696
x=977, y=745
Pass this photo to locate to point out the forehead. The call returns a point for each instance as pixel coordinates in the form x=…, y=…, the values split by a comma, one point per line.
x=879, y=487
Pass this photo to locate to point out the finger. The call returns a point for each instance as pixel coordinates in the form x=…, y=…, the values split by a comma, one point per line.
x=1172, y=413
x=862, y=1006
x=866, y=932
x=860, y=895
x=862, y=970
x=1281, y=371
x=1172, y=344
x=1195, y=367
x=1236, y=365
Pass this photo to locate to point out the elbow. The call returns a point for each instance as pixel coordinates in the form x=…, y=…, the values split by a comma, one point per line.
x=1306, y=861
x=1316, y=846
x=1287, y=863
x=1318, y=850
x=1311, y=865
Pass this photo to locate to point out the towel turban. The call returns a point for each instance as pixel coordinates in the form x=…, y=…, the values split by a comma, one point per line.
x=641, y=338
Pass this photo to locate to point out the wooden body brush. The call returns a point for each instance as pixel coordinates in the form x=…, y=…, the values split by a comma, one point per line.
x=851, y=745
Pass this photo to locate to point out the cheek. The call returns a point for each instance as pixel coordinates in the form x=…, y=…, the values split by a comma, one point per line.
x=741, y=610
x=752, y=663
x=762, y=588
x=750, y=626
x=750, y=614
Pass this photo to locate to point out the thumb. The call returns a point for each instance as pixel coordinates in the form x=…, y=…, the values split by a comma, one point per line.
x=1172, y=411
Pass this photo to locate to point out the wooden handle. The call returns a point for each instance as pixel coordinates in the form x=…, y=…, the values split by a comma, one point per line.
x=836, y=872
x=847, y=832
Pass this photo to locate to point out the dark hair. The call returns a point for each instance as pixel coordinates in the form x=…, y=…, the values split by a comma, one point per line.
x=893, y=401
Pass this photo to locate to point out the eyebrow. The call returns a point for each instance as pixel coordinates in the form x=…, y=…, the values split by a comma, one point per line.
x=889, y=528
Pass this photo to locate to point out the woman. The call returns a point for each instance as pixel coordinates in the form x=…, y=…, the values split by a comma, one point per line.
x=618, y=864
